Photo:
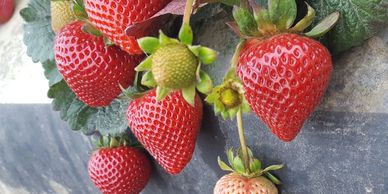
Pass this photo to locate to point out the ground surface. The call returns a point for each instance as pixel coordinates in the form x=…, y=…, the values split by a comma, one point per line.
x=341, y=149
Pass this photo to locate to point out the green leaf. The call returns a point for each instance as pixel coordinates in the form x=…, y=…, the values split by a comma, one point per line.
x=38, y=35
x=205, y=84
x=51, y=73
x=223, y=166
x=360, y=20
x=282, y=13
x=148, y=44
x=324, y=26
x=207, y=55
x=186, y=34
x=238, y=165
x=189, y=94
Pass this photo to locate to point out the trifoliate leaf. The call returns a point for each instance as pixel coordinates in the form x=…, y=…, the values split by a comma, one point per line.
x=360, y=20
x=38, y=35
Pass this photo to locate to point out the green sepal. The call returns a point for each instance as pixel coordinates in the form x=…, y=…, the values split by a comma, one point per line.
x=205, y=83
x=88, y=28
x=161, y=93
x=271, y=177
x=186, y=34
x=245, y=21
x=233, y=112
x=114, y=143
x=207, y=55
x=145, y=65
x=273, y=167
x=189, y=94
x=194, y=49
x=324, y=26
x=231, y=74
x=255, y=165
x=282, y=13
x=148, y=80
x=223, y=166
x=108, y=42
x=230, y=156
x=148, y=44
x=238, y=165
x=79, y=10
x=163, y=39
x=306, y=21
x=245, y=108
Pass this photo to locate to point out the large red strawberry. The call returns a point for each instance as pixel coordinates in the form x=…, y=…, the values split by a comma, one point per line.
x=92, y=69
x=6, y=10
x=120, y=170
x=168, y=128
x=284, y=78
x=112, y=17
x=284, y=71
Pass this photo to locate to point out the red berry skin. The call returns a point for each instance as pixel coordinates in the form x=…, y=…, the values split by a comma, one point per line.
x=6, y=10
x=112, y=17
x=121, y=170
x=168, y=129
x=284, y=78
x=92, y=69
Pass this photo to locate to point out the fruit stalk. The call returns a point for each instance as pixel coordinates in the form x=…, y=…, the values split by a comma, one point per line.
x=188, y=10
x=241, y=135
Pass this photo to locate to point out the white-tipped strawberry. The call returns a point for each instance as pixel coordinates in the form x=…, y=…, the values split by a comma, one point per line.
x=246, y=176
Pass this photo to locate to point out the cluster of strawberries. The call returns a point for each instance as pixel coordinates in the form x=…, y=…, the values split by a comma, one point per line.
x=279, y=75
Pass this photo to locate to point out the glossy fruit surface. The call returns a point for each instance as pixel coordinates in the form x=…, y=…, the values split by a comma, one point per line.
x=92, y=69
x=6, y=10
x=168, y=129
x=121, y=170
x=112, y=17
x=234, y=183
x=284, y=78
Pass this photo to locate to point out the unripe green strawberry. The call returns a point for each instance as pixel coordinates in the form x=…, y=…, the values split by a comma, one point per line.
x=61, y=14
x=174, y=66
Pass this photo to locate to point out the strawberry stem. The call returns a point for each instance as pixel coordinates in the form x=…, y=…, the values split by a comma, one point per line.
x=188, y=10
x=244, y=148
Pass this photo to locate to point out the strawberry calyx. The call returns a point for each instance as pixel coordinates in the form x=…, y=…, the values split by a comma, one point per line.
x=175, y=64
x=114, y=142
x=252, y=169
x=253, y=21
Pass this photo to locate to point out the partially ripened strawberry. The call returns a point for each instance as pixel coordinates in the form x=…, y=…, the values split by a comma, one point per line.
x=234, y=183
x=6, y=10
x=119, y=170
x=283, y=70
x=93, y=70
x=61, y=14
x=112, y=17
x=247, y=175
x=168, y=128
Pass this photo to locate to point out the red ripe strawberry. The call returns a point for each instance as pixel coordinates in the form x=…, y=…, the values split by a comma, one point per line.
x=284, y=78
x=92, y=69
x=168, y=129
x=112, y=17
x=121, y=170
x=6, y=10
